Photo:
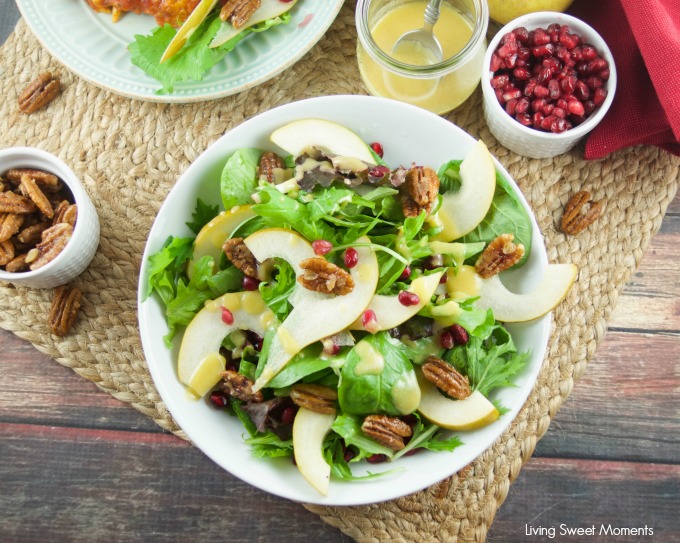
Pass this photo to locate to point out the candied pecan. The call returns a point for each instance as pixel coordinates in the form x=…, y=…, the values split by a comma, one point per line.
x=502, y=253
x=59, y=212
x=240, y=387
x=70, y=215
x=408, y=206
x=422, y=184
x=4, y=185
x=46, y=180
x=10, y=202
x=388, y=431
x=268, y=163
x=240, y=256
x=54, y=239
x=6, y=252
x=446, y=378
x=10, y=224
x=237, y=12
x=17, y=264
x=33, y=234
x=64, y=310
x=323, y=276
x=316, y=398
x=30, y=189
x=576, y=219
x=39, y=93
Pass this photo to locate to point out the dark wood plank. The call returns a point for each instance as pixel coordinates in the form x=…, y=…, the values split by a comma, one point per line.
x=82, y=485
x=583, y=493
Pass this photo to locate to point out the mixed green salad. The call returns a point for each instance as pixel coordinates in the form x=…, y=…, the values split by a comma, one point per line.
x=313, y=371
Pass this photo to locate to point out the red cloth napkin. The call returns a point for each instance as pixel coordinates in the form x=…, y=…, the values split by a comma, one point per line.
x=644, y=37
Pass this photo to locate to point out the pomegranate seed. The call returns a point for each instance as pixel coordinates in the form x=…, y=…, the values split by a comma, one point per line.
x=589, y=52
x=369, y=321
x=348, y=454
x=443, y=279
x=329, y=346
x=554, y=88
x=250, y=283
x=495, y=62
x=406, y=273
x=530, y=86
x=562, y=103
x=582, y=92
x=256, y=341
x=562, y=54
x=523, y=54
x=553, y=28
x=577, y=53
x=521, y=73
x=588, y=107
x=522, y=105
x=594, y=82
x=576, y=120
x=568, y=84
x=227, y=316
x=413, y=451
x=288, y=415
x=219, y=400
x=582, y=68
x=541, y=92
x=559, y=112
x=548, y=121
x=522, y=34
x=599, y=96
x=597, y=65
x=541, y=37
x=551, y=62
x=500, y=81
x=604, y=74
x=460, y=334
x=548, y=108
x=511, y=106
x=510, y=61
x=569, y=41
x=537, y=119
x=543, y=50
x=446, y=339
x=575, y=107
x=376, y=458
x=539, y=104
x=378, y=172
x=351, y=257
x=559, y=126
x=519, y=63
x=545, y=74
x=508, y=50
x=321, y=247
x=512, y=94
x=499, y=96
x=523, y=119
x=408, y=298
x=377, y=149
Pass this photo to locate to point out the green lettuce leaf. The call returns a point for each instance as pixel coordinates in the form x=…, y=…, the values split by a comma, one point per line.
x=239, y=177
x=166, y=266
x=201, y=216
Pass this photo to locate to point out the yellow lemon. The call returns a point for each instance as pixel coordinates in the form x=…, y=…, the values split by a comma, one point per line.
x=505, y=11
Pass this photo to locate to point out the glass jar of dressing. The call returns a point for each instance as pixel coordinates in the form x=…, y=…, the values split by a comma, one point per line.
x=412, y=75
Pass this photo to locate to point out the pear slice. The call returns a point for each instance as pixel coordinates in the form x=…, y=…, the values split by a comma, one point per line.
x=508, y=306
x=473, y=412
x=213, y=235
x=462, y=211
x=309, y=431
x=314, y=315
x=390, y=312
x=268, y=10
x=200, y=361
x=327, y=136
x=201, y=11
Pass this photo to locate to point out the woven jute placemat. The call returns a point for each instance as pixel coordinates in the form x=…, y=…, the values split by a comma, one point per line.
x=130, y=153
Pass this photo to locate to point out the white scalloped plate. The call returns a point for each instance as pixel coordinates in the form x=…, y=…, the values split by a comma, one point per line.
x=219, y=435
x=95, y=48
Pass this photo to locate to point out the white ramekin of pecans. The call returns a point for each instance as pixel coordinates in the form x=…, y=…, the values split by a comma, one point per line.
x=49, y=229
x=548, y=80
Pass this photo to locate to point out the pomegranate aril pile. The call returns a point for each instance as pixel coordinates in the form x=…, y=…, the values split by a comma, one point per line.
x=547, y=78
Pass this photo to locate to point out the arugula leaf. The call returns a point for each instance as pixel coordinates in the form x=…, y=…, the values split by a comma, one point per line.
x=489, y=362
x=270, y=445
x=195, y=59
x=239, y=177
x=277, y=292
x=428, y=436
x=201, y=216
x=327, y=202
x=334, y=455
x=166, y=266
x=449, y=176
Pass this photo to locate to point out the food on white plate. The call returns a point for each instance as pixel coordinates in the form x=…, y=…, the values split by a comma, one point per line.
x=333, y=322
x=193, y=36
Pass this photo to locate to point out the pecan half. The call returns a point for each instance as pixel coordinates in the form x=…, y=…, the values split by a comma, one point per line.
x=70, y=214
x=388, y=431
x=10, y=224
x=446, y=378
x=239, y=387
x=64, y=310
x=323, y=276
x=17, y=264
x=419, y=191
x=11, y=202
x=240, y=256
x=268, y=163
x=46, y=180
x=316, y=398
x=502, y=253
x=237, y=12
x=6, y=252
x=576, y=218
x=54, y=239
x=31, y=190
x=39, y=93
x=32, y=234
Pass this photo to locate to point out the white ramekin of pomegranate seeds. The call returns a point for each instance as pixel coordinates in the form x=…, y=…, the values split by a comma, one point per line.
x=548, y=80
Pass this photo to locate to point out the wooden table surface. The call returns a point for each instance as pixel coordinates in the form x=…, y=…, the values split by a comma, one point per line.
x=78, y=465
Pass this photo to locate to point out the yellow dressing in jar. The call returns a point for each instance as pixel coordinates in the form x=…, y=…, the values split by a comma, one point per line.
x=412, y=74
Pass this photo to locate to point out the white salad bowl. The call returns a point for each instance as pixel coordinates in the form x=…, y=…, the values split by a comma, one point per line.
x=408, y=134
